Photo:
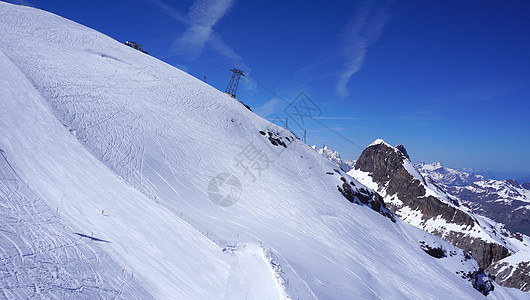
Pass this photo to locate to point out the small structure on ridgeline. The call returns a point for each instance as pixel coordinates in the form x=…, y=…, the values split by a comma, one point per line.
x=231, y=89
x=135, y=46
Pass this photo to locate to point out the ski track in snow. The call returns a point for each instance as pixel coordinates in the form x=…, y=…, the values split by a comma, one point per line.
x=41, y=258
x=175, y=269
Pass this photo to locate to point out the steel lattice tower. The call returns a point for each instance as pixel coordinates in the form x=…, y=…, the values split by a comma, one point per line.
x=231, y=89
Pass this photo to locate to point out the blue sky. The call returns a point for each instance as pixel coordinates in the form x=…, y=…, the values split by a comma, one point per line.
x=448, y=79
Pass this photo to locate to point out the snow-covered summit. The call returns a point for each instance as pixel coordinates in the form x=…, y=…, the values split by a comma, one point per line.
x=334, y=156
x=429, y=167
x=378, y=142
x=447, y=176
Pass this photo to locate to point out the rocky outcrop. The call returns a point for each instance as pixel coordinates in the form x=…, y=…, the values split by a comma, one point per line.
x=480, y=281
x=483, y=252
x=364, y=196
x=276, y=139
x=436, y=252
x=386, y=166
x=402, y=149
x=514, y=276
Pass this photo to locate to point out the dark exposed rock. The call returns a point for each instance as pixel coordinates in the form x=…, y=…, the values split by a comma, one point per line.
x=513, y=182
x=276, y=139
x=520, y=275
x=248, y=107
x=436, y=252
x=526, y=185
x=518, y=236
x=480, y=280
x=386, y=167
x=401, y=148
x=364, y=196
x=483, y=252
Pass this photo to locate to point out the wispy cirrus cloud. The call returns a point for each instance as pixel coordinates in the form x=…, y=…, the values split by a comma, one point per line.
x=175, y=14
x=269, y=107
x=362, y=30
x=201, y=18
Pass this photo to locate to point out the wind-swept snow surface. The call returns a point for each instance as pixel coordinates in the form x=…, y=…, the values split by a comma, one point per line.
x=42, y=258
x=124, y=148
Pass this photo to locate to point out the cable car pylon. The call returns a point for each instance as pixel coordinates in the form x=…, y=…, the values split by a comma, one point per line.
x=231, y=89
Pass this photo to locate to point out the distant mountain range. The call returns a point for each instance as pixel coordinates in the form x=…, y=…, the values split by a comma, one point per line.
x=447, y=176
x=505, y=201
x=498, y=175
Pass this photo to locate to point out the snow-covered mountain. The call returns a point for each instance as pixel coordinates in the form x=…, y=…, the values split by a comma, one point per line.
x=504, y=201
x=447, y=176
x=334, y=156
x=125, y=177
x=420, y=202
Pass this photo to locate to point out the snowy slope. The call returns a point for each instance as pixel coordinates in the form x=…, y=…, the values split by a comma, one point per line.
x=124, y=146
x=139, y=234
x=43, y=258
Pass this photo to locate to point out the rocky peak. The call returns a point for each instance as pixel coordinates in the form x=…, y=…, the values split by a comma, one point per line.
x=513, y=182
x=401, y=148
x=406, y=190
x=384, y=162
